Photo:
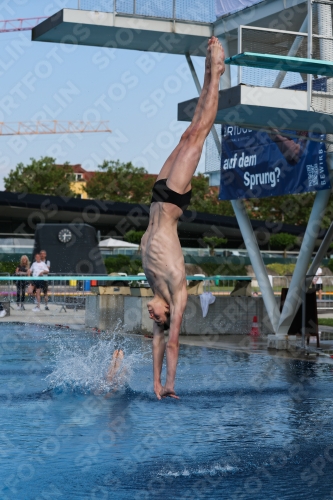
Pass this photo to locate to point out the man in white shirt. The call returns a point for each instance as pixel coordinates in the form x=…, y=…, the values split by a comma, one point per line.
x=37, y=269
x=318, y=282
x=46, y=283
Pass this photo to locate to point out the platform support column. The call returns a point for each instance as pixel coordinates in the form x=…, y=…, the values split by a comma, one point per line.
x=257, y=262
x=319, y=256
x=299, y=283
x=293, y=300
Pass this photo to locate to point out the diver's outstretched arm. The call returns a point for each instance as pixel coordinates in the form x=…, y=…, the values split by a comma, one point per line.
x=158, y=355
x=172, y=350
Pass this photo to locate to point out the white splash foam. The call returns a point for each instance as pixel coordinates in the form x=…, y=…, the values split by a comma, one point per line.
x=82, y=365
x=201, y=471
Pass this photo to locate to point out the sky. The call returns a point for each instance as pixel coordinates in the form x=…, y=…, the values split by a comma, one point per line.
x=136, y=92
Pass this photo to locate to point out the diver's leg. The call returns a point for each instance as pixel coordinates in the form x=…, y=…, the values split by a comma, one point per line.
x=165, y=171
x=190, y=147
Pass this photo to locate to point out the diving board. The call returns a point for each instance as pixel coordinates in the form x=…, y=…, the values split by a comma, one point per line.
x=282, y=63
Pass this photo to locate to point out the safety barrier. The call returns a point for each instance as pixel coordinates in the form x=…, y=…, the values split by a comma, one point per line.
x=70, y=291
x=5, y=290
x=187, y=10
x=324, y=300
x=63, y=291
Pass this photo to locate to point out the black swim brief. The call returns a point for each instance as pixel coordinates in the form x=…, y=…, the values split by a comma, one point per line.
x=162, y=193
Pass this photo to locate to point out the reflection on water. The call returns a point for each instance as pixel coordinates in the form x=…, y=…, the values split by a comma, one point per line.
x=247, y=426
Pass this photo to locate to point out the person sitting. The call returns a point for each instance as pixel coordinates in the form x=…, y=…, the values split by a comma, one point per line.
x=38, y=269
x=21, y=270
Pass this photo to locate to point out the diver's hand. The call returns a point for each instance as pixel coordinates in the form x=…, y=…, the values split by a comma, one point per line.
x=166, y=392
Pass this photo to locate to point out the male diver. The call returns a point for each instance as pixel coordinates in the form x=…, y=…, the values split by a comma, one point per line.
x=162, y=257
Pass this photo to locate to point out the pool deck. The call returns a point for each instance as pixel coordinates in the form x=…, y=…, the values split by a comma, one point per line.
x=53, y=317
x=258, y=345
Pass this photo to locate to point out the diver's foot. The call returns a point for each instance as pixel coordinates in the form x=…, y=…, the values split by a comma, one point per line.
x=166, y=392
x=217, y=57
x=208, y=62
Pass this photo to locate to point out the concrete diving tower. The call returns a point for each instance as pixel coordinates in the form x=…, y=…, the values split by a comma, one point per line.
x=124, y=31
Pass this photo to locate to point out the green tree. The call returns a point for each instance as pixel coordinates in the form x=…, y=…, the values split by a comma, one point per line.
x=282, y=269
x=118, y=181
x=292, y=209
x=214, y=242
x=134, y=236
x=205, y=198
x=282, y=241
x=124, y=264
x=329, y=251
x=41, y=177
x=9, y=267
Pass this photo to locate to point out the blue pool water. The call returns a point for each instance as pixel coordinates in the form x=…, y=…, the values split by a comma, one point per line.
x=247, y=426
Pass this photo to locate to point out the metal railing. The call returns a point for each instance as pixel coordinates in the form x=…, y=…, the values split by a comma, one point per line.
x=70, y=291
x=65, y=292
x=183, y=10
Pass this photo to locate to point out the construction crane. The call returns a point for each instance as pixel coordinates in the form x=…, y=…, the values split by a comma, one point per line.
x=9, y=25
x=53, y=127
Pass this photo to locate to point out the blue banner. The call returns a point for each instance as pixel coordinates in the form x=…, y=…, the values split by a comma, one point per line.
x=256, y=164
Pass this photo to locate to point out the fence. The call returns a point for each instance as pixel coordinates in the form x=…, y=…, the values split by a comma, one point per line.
x=185, y=10
x=61, y=291
x=71, y=291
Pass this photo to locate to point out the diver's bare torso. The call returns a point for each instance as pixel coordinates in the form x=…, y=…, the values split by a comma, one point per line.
x=162, y=256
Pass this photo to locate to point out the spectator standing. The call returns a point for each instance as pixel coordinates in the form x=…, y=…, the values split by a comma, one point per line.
x=2, y=311
x=37, y=269
x=318, y=282
x=45, y=289
x=21, y=270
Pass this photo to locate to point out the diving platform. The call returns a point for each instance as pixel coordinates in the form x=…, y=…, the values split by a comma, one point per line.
x=124, y=31
x=263, y=107
x=282, y=63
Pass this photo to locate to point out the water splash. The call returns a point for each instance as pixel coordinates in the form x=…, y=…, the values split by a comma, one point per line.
x=211, y=470
x=82, y=365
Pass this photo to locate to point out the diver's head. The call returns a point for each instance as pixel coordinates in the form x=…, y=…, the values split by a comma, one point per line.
x=159, y=311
